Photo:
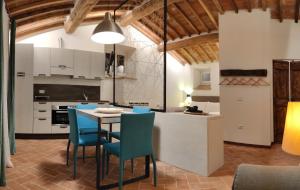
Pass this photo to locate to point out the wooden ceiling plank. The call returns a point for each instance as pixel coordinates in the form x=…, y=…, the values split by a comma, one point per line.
x=197, y=16
x=209, y=48
x=145, y=9
x=198, y=53
x=78, y=14
x=145, y=30
x=205, y=53
x=234, y=5
x=209, y=13
x=170, y=27
x=38, y=5
x=219, y=6
x=179, y=24
x=297, y=4
x=190, y=41
x=156, y=27
x=186, y=18
x=189, y=56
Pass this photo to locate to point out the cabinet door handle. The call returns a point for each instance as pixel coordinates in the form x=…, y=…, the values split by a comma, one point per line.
x=21, y=74
x=63, y=126
x=42, y=119
x=62, y=66
x=82, y=77
x=42, y=111
x=42, y=102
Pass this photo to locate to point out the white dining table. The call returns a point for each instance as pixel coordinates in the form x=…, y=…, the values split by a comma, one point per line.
x=111, y=118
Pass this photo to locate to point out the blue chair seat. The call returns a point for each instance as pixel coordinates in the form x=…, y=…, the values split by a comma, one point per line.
x=115, y=135
x=90, y=140
x=113, y=148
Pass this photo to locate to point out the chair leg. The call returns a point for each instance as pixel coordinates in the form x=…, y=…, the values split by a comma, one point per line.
x=83, y=153
x=68, y=151
x=132, y=165
x=154, y=169
x=121, y=173
x=107, y=163
x=103, y=163
x=75, y=161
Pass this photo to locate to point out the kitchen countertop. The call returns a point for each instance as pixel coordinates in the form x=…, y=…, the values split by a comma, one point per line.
x=83, y=101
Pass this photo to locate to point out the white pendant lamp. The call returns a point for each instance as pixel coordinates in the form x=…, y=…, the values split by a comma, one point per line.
x=108, y=32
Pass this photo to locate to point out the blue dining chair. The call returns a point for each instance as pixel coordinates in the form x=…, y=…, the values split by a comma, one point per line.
x=79, y=139
x=135, y=141
x=87, y=125
x=116, y=135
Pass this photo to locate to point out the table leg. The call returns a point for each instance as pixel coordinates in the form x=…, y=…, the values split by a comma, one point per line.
x=98, y=156
x=147, y=166
x=110, y=130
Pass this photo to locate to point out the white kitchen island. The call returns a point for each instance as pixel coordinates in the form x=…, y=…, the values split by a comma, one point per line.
x=191, y=142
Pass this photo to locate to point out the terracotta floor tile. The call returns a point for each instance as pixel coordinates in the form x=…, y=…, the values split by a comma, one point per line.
x=40, y=165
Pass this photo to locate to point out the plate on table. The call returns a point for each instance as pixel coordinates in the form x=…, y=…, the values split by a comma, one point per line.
x=109, y=110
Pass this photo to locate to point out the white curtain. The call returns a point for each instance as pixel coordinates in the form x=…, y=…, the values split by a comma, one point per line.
x=4, y=83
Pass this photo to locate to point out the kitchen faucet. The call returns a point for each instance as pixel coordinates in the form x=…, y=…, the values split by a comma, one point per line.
x=85, y=96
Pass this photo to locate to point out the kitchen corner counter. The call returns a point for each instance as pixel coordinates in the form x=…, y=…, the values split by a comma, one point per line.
x=191, y=142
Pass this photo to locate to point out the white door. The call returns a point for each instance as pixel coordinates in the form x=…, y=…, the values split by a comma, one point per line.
x=82, y=63
x=98, y=65
x=24, y=88
x=41, y=61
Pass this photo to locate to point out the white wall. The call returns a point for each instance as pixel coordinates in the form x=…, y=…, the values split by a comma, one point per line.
x=252, y=41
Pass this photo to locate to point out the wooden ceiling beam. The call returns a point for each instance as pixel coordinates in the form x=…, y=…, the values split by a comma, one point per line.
x=186, y=18
x=219, y=6
x=78, y=14
x=157, y=28
x=234, y=5
x=249, y=6
x=205, y=53
x=188, y=56
x=280, y=10
x=178, y=57
x=297, y=4
x=145, y=30
x=197, y=16
x=190, y=41
x=145, y=9
x=264, y=4
x=209, y=13
x=38, y=5
x=178, y=24
x=198, y=54
x=211, y=51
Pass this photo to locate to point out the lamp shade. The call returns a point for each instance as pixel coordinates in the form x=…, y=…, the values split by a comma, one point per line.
x=108, y=32
x=291, y=137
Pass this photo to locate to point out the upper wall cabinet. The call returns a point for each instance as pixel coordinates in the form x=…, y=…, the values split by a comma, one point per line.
x=97, y=69
x=62, y=61
x=82, y=64
x=41, y=61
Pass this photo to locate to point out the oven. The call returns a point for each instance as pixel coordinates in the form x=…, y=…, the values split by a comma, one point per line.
x=60, y=115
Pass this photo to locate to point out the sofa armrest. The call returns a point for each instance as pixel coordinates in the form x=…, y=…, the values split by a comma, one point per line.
x=250, y=177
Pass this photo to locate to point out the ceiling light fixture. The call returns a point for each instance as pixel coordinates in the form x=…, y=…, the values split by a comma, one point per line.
x=108, y=32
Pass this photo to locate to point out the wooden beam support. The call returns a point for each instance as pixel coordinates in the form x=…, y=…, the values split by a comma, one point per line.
x=209, y=13
x=235, y=7
x=187, y=19
x=156, y=27
x=197, y=16
x=219, y=6
x=190, y=41
x=145, y=30
x=297, y=4
x=209, y=58
x=280, y=11
x=147, y=8
x=178, y=24
x=78, y=14
x=249, y=5
x=188, y=56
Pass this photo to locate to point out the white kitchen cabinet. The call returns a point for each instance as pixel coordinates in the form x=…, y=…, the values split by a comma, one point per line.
x=62, y=61
x=41, y=61
x=97, y=65
x=42, y=125
x=24, y=88
x=82, y=63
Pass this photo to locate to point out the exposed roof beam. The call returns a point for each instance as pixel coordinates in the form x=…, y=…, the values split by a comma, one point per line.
x=264, y=4
x=145, y=30
x=219, y=6
x=178, y=24
x=147, y=8
x=209, y=13
x=235, y=7
x=280, y=11
x=187, y=56
x=190, y=41
x=205, y=53
x=156, y=27
x=78, y=14
x=197, y=16
x=249, y=5
x=187, y=19
x=297, y=10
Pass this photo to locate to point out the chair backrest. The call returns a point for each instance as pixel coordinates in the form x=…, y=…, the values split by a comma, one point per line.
x=136, y=134
x=86, y=106
x=74, y=130
x=85, y=121
x=141, y=109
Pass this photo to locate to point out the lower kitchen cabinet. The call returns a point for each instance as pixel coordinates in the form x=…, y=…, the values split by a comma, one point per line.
x=60, y=129
x=42, y=126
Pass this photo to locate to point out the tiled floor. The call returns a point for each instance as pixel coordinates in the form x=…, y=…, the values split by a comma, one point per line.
x=40, y=165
